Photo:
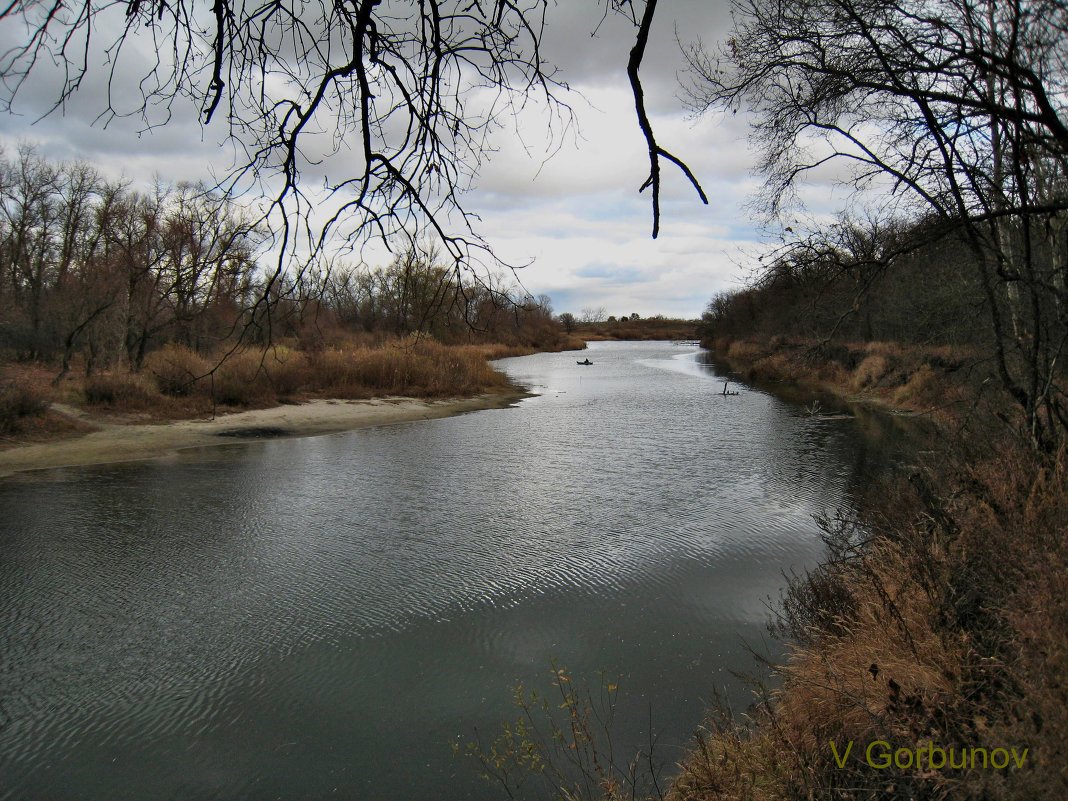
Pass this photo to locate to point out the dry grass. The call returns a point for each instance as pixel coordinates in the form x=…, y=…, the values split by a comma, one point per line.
x=918, y=390
x=743, y=350
x=869, y=371
x=643, y=329
x=121, y=391
x=349, y=369
x=502, y=350
x=285, y=368
x=407, y=367
x=179, y=383
x=918, y=630
x=26, y=390
x=942, y=381
x=241, y=379
x=19, y=404
x=177, y=369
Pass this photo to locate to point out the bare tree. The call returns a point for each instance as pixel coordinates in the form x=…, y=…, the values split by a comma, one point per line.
x=406, y=94
x=957, y=108
x=31, y=209
x=592, y=314
x=90, y=267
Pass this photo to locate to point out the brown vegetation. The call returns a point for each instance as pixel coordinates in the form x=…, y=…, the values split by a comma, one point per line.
x=26, y=392
x=638, y=328
x=942, y=381
x=179, y=383
x=939, y=619
x=18, y=404
x=156, y=306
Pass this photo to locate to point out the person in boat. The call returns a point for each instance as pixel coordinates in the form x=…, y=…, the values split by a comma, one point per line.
x=587, y=361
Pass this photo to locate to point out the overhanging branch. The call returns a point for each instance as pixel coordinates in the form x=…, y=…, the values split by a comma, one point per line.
x=656, y=152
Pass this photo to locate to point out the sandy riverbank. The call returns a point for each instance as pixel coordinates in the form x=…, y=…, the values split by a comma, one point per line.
x=114, y=442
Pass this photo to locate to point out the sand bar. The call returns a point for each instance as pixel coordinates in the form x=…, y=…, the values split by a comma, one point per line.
x=115, y=442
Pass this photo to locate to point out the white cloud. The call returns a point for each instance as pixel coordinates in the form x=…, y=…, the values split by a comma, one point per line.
x=578, y=215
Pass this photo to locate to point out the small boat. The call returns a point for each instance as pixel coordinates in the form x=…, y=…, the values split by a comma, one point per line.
x=584, y=362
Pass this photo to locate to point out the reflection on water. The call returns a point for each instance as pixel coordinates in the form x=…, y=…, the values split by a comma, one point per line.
x=323, y=617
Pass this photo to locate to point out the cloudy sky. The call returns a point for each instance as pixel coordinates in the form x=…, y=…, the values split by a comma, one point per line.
x=577, y=216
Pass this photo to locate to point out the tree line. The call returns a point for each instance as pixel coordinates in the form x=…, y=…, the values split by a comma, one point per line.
x=89, y=266
x=950, y=120
x=93, y=269
x=857, y=281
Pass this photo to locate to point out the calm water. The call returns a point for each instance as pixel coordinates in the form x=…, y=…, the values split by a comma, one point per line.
x=324, y=617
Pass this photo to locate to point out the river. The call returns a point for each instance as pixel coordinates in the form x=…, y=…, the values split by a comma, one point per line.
x=325, y=617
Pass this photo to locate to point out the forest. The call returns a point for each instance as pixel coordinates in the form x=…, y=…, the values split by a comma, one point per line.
x=133, y=299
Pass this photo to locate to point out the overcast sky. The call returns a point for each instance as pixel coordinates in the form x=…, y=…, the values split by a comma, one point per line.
x=578, y=216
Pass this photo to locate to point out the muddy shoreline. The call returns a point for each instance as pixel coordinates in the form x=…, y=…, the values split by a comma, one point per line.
x=117, y=442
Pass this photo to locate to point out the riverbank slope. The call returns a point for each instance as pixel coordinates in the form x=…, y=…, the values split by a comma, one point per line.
x=938, y=381
x=938, y=624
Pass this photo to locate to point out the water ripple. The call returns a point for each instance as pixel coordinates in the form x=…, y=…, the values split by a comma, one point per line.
x=279, y=618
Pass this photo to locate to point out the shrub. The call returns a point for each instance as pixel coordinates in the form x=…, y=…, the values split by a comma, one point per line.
x=119, y=389
x=920, y=388
x=177, y=369
x=406, y=367
x=869, y=371
x=331, y=372
x=287, y=370
x=17, y=402
x=241, y=380
x=743, y=351
x=411, y=366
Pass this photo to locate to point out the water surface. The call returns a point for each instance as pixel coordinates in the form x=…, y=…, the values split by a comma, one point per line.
x=324, y=617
